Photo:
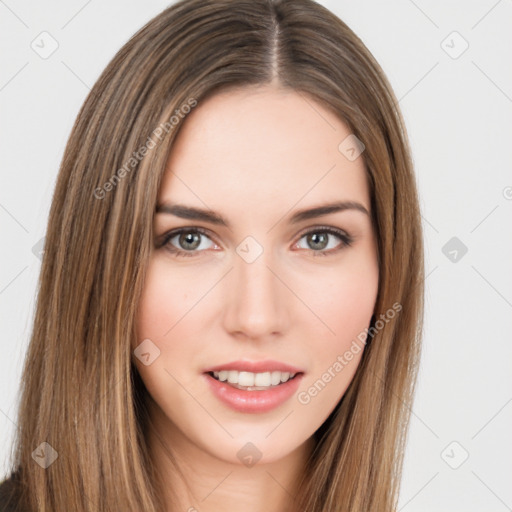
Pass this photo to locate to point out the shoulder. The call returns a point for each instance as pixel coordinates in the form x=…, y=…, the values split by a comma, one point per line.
x=9, y=495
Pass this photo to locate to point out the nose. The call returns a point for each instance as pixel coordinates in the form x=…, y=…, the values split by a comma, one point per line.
x=256, y=301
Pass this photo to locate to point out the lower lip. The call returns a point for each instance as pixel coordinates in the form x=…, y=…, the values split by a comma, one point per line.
x=253, y=401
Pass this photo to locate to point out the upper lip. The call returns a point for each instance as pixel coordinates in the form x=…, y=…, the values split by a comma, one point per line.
x=255, y=367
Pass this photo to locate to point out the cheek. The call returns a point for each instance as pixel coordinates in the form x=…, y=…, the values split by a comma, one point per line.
x=344, y=301
x=158, y=302
x=343, y=297
x=167, y=296
x=349, y=304
x=162, y=318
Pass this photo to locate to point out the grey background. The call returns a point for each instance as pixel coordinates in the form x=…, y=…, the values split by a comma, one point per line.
x=458, y=111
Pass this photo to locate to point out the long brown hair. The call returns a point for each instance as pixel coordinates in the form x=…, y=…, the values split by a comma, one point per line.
x=80, y=390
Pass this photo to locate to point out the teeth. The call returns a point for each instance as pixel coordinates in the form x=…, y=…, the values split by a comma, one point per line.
x=249, y=379
x=262, y=379
x=275, y=378
x=245, y=378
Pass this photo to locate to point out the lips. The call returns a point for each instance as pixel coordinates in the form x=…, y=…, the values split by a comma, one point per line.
x=245, y=401
x=255, y=367
x=254, y=399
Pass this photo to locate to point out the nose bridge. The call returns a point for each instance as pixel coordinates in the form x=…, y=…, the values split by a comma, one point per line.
x=257, y=298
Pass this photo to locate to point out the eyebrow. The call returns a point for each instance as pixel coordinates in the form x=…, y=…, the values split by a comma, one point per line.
x=193, y=213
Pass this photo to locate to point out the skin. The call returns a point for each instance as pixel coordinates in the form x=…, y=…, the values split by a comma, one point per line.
x=254, y=155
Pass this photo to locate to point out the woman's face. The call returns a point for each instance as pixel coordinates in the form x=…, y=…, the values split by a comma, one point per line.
x=269, y=286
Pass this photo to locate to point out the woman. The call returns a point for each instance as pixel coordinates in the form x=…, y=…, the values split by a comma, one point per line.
x=243, y=370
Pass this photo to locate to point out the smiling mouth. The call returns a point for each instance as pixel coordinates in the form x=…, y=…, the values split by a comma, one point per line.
x=249, y=381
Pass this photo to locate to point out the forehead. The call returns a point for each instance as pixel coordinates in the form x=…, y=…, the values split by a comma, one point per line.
x=258, y=149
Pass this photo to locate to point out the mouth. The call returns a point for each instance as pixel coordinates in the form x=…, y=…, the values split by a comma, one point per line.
x=250, y=381
x=247, y=392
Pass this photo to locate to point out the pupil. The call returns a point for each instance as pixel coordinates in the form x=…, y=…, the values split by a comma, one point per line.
x=315, y=237
x=185, y=239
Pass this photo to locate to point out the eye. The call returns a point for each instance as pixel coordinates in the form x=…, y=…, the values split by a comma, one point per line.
x=187, y=238
x=318, y=240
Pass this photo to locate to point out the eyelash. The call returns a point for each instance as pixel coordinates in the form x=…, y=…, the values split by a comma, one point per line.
x=344, y=237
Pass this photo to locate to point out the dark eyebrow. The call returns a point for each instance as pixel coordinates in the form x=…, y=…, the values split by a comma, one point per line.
x=193, y=213
x=326, y=209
